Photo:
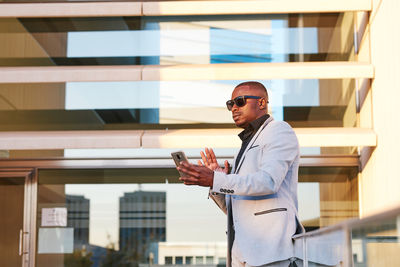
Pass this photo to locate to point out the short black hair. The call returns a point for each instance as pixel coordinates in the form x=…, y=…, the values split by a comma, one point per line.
x=254, y=85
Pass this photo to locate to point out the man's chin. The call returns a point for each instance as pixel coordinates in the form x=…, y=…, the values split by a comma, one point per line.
x=239, y=124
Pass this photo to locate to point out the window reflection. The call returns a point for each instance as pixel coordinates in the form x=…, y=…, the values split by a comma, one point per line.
x=130, y=105
x=169, y=40
x=122, y=218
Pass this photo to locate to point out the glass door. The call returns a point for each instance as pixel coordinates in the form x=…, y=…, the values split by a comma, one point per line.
x=15, y=217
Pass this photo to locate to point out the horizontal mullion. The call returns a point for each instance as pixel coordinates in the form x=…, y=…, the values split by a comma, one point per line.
x=184, y=138
x=252, y=7
x=161, y=8
x=237, y=71
x=227, y=138
x=70, y=139
x=70, y=9
x=53, y=74
x=156, y=163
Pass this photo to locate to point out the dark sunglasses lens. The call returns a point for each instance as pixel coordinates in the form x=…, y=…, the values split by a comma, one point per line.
x=229, y=104
x=240, y=101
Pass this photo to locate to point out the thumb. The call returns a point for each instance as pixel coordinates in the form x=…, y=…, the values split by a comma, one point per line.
x=226, y=163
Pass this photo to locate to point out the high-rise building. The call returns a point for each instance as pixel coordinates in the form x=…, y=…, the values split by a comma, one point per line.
x=78, y=208
x=142, y=223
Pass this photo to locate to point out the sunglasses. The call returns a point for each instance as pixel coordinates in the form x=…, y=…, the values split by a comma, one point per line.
x=240, y=101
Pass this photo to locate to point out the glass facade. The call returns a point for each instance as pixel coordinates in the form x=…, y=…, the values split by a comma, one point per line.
x=146, y=104
x=135, y=216
x=139, y=216
x=170, y=40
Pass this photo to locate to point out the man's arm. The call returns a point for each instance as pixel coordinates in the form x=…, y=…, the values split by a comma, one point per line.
x=279, y=150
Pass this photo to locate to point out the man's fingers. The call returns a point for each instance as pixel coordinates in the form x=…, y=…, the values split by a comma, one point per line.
x=189, y=180
x=212, y=156
x=199, y=163
x=190, y=183
x=204, y=158
x=190, y=171
x=208, y=154
x=226, y=163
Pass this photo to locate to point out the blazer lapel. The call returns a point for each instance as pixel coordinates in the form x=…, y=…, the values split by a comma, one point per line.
x=237, y=168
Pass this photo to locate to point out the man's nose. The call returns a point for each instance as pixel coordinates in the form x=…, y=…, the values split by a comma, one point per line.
x=234, y=107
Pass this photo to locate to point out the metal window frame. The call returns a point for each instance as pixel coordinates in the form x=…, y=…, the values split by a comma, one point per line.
x=28, y=246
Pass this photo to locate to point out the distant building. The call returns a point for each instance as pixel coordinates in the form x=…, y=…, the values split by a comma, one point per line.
x=192, y=253
x=78, y=218
x=142, y=224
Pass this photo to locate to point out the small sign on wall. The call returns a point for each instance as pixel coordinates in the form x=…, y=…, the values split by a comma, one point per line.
x=54, y=217
x=56, y=240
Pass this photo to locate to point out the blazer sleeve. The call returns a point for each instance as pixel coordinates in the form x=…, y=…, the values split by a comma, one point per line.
x=219, y=199
x=279, y=149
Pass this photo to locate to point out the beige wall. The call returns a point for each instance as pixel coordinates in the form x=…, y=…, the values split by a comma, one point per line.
x=380, y=179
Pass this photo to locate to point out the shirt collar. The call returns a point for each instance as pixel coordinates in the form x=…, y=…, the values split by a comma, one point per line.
x=253, y=127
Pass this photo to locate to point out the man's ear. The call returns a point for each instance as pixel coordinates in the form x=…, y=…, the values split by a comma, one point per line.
x=263, y=103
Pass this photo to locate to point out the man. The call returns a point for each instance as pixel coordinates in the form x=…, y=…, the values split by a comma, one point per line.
x=260, y=194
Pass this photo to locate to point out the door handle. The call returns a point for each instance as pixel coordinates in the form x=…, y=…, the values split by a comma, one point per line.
x=21, y=243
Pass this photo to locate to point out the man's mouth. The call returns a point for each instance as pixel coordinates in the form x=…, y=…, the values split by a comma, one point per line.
x=235, y=116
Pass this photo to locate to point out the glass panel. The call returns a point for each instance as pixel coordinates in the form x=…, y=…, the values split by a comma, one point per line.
x=327, y=195
x=116, y=218
x=179, y=260
x=113, y=213
x=199, y=260
x=138, y=105
x=377, y=243
x=327, y=249
x=176, y=39
x=189, y=260
x=11, y=219
x=168, y=260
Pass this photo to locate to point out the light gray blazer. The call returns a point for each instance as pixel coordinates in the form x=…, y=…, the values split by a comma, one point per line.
x=260, y=196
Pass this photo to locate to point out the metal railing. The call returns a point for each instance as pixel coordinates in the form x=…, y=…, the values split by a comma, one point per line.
x=370, y=241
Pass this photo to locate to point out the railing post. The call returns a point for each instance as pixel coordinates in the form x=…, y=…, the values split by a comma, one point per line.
x=347, y=255
x=305, y=257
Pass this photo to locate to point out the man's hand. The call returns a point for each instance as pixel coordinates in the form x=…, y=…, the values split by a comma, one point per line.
x=210, y=161
x=196, y=175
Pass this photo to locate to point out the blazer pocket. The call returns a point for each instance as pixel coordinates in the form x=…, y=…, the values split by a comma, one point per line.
x=253, y=147
x=270, y=211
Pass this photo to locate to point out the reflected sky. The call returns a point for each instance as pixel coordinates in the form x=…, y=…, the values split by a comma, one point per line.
x=168, y=41
x=191, y=216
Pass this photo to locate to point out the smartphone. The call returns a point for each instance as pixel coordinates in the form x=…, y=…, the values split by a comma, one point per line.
x=178, y=157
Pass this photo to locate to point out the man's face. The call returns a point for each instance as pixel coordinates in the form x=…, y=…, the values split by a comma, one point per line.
x=250, y=111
